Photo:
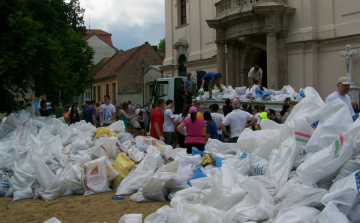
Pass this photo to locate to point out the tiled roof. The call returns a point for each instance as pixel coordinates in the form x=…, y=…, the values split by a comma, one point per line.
x=99, y=66
x=114, y=63
x=100, y=33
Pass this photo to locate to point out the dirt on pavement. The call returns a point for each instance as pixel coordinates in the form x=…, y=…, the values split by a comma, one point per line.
x=75, y=208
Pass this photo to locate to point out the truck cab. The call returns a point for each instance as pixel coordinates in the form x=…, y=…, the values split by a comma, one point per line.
x=170, y=88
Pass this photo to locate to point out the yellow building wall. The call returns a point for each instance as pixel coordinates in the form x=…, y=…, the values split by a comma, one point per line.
x=112, y=82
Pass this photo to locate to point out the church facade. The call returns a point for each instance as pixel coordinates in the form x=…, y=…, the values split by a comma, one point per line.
x=296, y=42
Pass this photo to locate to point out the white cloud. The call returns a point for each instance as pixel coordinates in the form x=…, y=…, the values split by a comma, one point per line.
x=132, y=22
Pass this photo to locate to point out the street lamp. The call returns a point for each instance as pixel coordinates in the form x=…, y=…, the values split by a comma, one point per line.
x=142, y=63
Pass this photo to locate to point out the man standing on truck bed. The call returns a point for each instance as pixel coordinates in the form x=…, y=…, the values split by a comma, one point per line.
x=188, y=89
x=255, y=76
x=214, y=80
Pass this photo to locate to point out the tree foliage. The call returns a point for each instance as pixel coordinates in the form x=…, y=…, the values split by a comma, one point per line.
x=42, y=48
x=161, y=46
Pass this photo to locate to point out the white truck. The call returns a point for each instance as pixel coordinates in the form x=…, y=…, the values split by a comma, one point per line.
x=172, y=88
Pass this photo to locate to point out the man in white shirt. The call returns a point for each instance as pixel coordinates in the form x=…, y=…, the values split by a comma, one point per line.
x=169, y=117
x=107, y=112
x=237, y=119
x=217, y=117
x=255, y=76
x=343, y=87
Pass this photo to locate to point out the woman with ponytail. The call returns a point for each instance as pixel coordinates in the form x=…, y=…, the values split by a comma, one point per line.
x=194, y=136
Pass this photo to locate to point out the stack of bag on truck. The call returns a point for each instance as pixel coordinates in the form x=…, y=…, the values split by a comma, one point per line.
x=258, y=94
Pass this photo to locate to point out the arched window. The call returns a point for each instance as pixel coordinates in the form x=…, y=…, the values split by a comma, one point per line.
x=182, y=69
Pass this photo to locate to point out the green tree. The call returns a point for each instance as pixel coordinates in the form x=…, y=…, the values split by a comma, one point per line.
x=42, y=48
x=161, y=46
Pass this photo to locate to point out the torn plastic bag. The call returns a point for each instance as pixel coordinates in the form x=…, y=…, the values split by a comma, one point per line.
x=97, y=174
x=325, y=162
x=299, y=214
x=133, y=182
x=344, y=193
x=152, y=160
x=334, y=119
x=122, y=166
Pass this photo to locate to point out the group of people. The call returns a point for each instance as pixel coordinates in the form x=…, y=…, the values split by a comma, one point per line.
x=191, y=128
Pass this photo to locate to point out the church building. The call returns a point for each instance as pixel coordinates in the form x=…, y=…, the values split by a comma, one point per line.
x=295, y=42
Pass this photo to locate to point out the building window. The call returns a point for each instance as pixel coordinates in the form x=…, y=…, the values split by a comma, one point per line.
x=107, y=89
x=99, y=93
x=182, y=12
x=113, y=92
x=94, y=93
x=182, y=69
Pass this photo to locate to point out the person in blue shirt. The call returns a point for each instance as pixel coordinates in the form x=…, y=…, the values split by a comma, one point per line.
x=214, y=80
x=211, y=129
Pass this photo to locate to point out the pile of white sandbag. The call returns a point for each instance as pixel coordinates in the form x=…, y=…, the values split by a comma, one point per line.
x=306, y=170
x=243, y=93
x=42, y=157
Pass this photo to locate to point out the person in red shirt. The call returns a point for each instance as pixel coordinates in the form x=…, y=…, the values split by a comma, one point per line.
x=156, y=120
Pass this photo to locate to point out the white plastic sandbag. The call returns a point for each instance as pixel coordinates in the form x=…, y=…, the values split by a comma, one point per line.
x=344, y=193
x=117, y=126
x=97, y=174
x=298, y=214
x=154, y=189
x=349, y=167
x=334, y=119
x=325, y=162
x=132, y=182
x=240, y=90
x=152, y=160
x=131, y=218
x=135, y=154
x=143, y=143
x=4, y=183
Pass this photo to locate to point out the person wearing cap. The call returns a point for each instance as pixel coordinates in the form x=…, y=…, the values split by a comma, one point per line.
x=188, y=88
x=214, y=80
x=237, y=119
x=343, y=87
x=194, y=135
x=255, y=76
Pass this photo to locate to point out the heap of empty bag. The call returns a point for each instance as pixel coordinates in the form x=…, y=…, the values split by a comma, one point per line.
x=305, y=170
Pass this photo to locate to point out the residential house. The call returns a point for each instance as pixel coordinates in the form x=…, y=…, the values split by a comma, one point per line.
x=120, y=76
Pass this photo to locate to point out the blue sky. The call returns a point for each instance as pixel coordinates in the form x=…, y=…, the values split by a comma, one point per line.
x=131, y=22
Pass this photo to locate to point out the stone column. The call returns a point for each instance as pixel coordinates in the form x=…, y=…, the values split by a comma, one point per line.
x=282, y=60
x=221, y=60
x=272, y=60
x=232, y=62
